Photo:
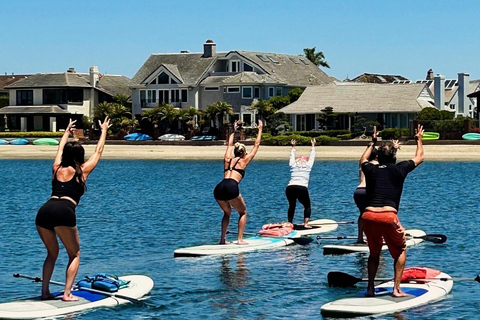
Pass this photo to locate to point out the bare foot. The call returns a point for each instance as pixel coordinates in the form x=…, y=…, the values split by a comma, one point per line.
x=224, y=242
x=399, y=293
x=69, y=297
x=307, y=226
x=241, y=242
x=47, y=296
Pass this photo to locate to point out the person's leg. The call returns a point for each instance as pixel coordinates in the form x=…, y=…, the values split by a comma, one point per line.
x=49, y=239
x=227, y=211
x=396, y=242
x=239, y=204
x=373, y=262
x=373, y=231
x=71, y=241
x=292, y=202
x=360, y=198
x=398, y=266
x=304, y=199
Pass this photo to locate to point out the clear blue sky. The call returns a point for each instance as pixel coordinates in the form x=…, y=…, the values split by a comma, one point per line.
x=405, y=37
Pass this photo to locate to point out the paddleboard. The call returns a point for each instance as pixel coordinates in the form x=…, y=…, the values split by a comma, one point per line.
x=46, y=141
x=383, y=302
x=431, y=136
x=33, y=308
x=471, y=136
x=363, y=247
x=3, y=142
x=19, y=141
x=257, y=242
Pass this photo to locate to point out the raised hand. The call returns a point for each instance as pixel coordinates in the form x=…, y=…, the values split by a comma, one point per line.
x=105, y=125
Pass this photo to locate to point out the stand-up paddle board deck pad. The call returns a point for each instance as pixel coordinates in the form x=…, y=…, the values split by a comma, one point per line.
x=33, y=308
x=363, y=247
x=256, y=242
x=384, y=302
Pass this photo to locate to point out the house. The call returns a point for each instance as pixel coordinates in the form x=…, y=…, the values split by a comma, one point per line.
x=46, y=101
x=7, y=80
x=379, y=78
x=237, y=77
x=393, y=106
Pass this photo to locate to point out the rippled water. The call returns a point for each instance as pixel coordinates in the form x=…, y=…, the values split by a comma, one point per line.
x=135, y=213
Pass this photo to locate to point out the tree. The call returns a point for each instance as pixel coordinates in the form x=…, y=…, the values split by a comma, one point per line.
x=218, y=111
x=327, y=117
x=318, y=58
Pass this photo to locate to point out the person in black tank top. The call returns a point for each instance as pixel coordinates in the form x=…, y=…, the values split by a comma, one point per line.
x=384, y=185
x=57, y=216
x=226, y=193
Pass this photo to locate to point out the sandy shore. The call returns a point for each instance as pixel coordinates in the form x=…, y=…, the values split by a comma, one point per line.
x=432, y=152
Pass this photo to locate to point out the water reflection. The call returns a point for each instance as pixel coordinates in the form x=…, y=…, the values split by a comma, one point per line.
x=234, y=277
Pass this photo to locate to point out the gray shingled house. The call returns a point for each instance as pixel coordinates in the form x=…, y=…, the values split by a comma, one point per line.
x=46, y=101
x=392, y=105
x=237, y=77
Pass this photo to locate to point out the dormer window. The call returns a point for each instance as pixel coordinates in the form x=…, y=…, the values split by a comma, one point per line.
x=247, y=67
x=234, y=66
x=163, y=78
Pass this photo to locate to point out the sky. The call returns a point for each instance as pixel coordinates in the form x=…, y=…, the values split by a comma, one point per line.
x=406, y=37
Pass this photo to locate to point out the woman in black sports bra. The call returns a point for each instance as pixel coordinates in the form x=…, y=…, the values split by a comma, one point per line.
x=57, y=216
x=227, y=192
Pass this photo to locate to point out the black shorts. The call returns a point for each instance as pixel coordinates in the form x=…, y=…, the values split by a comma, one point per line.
x=56, y=213
x=226, y=190
x=360, y=198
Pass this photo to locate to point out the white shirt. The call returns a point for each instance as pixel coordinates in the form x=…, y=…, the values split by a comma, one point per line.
x=300, y=172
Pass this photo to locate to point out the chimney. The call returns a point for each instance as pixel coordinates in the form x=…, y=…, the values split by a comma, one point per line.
x=439, y=91
x=71, y=70
x=463, y=88
x=93, y=76
x=209, y=49
x=429, y=75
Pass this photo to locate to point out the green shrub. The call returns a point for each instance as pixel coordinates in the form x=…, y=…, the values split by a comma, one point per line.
x=284, y=140
x=394, y=133
x=314, y=133
x=30, y=134
x=347, y=136
x=455, y=125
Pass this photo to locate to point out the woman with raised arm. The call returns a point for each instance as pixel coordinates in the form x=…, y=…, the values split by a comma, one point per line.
x=227, y=192
x=57, y=216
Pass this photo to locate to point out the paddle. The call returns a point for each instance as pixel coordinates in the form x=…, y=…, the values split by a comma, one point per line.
x=110, y=294
x=300, y=240
x=435, y=238
x=341, y=279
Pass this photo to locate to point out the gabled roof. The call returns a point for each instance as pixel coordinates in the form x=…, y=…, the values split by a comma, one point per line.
x=378, y=78
x=191, y=66
x=110, y=84
x=360, y=97
x=292, y=70
x=251, y=78
x=7, y=80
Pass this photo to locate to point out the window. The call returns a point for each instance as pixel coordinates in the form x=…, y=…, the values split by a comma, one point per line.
x=58, y=96
x=262, y=57
x=256, y=92
x=234, y=66
x=163, y=78
x=212, y=88
x=247, y=119
x=233, y=89
x=151, y=96
x=143, y=98
x=184, y=95
x=163, y=96
x=172, y=81
x=271, y=92
x=247, y=92
x=24, y=97
x=272, y=59
x=305, y=62
x=247, y=67
x=278, y=91
x=175, y=94
x=294, y=61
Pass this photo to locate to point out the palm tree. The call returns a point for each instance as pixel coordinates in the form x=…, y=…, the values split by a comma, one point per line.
x=318, y=58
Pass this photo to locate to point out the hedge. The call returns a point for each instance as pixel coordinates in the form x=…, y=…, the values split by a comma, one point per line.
x=313, y=133
x=30, y=134
x=284, y=140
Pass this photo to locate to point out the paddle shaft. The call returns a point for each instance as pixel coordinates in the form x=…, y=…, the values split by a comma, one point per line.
x=113, y=295
x=435, y=238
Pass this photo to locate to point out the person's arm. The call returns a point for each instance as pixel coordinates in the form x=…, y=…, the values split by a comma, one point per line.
x=228, y=152
x=61, y=145
x=311, y=158
x=291, y=162
x=371, y=145
x=419, y=152
x=92, y=162
x=252, y=153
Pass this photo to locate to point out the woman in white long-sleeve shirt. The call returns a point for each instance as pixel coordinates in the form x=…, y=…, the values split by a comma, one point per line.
x=297, y=188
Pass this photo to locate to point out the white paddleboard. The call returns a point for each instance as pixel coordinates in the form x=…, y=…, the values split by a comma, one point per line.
x=383, y=302
x=256, y=242
x=33, y=308
x=363, y=247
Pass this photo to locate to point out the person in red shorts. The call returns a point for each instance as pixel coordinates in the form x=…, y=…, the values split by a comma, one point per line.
x=384, y=183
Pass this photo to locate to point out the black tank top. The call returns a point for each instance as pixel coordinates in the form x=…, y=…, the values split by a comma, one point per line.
x=70, y=188
x=241, y=171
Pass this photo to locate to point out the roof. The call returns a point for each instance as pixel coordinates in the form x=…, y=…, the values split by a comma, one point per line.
x=378, y=78
x=111, y=84
x=346, y=97
x=243, y=78
x=292, y=70
x=44, y=109
x=8, y=80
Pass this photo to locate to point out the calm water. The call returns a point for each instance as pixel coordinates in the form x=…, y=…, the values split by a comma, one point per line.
x=135, y=213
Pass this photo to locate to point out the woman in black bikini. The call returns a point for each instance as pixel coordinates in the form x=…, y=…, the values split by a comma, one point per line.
x=57, y=216
x=227, y=192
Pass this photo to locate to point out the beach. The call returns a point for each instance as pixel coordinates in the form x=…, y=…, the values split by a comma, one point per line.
x=460, y=152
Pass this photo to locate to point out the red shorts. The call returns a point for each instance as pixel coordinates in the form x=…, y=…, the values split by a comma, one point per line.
x=379, y=226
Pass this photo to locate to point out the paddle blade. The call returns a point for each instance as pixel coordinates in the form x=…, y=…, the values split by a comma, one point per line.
x=341, y=279
x=436, y=238
x=302, y=240
x=477, y=278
